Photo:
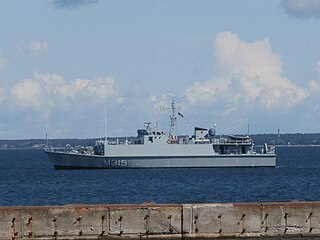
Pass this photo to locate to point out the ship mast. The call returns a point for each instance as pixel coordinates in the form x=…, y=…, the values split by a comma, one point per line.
x=105, y=128
x=173, y=120
x=173, y=123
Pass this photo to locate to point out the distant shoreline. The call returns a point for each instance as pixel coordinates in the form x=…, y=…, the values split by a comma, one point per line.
x=259, y=146
x=275, y=140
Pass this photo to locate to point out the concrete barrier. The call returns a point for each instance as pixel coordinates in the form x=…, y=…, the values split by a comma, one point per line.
x=157, y=221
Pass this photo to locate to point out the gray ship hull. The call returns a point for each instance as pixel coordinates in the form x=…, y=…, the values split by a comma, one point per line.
x=153, y=148
x=82, y=161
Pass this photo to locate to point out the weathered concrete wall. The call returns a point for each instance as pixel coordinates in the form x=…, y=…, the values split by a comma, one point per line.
x=152, y=221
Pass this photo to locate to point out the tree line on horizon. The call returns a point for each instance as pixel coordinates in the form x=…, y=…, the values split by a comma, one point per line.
x=258, y=139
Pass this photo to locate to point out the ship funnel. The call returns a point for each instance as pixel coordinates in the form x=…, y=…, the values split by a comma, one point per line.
x=265, y=149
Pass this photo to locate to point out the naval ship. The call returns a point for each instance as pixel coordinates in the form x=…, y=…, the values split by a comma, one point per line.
x=156, y=149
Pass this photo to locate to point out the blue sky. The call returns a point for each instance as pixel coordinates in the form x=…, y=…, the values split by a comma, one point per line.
x=227, y=62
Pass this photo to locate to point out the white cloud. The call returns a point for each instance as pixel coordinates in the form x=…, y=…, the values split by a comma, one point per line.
x=3, y=63
x=39, y=47
x=33, y=49
x=97, y=89
x=161, y=102
x=302, y=8
x=314, y=86
x=248, y=74
x=207, y=92
x=44, y=92
x=29, y=94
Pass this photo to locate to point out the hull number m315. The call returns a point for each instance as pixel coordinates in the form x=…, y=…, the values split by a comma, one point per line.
x=116, y=163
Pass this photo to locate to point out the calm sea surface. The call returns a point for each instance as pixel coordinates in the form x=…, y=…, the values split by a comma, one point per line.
x=28, y=178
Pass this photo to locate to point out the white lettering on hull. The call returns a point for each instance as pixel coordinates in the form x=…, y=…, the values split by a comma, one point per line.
x=116, y=163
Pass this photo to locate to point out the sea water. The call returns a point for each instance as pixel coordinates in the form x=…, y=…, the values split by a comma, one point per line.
x=28, y=178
